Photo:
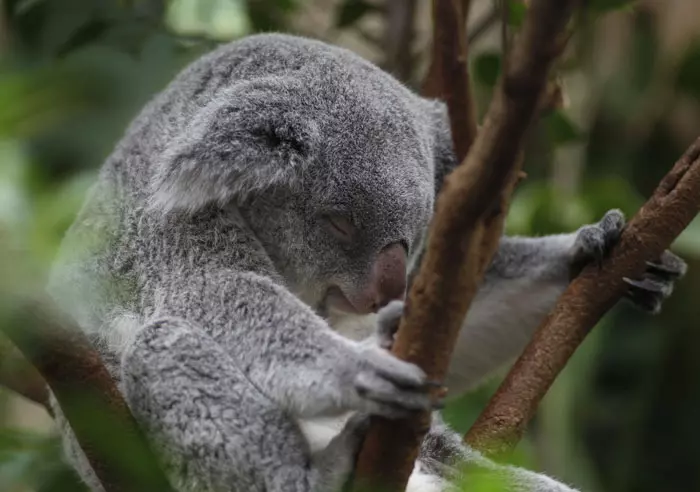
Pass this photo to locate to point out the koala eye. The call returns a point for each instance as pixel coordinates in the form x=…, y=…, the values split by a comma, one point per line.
x=340, y=227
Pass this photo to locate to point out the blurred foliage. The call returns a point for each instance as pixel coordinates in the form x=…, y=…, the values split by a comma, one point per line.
x=622, y=416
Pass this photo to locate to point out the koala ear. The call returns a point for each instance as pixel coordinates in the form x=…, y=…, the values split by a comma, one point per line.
x=443, y=148
x=248, y=139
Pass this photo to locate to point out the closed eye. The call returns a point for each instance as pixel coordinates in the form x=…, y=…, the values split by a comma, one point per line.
x=340, y=227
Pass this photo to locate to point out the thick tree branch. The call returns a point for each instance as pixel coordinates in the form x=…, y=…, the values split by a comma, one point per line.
x=449, y=275
x=88, y=397
x=674, y=204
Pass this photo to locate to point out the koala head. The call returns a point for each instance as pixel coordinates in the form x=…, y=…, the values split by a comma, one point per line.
x=336, y=179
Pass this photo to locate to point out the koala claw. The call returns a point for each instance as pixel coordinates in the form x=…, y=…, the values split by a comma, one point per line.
x=650, y=285
x=669, y=266
x=390, y=387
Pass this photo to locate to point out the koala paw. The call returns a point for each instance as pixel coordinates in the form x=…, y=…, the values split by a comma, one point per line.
x=388, y=319
x=391, y=387
x=386, y=385
x=594, y=241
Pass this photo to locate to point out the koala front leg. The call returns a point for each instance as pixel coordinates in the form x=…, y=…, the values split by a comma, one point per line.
x=214, y=430
x=289, y=353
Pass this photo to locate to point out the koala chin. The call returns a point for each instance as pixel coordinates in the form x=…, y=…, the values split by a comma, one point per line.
x=241, y=261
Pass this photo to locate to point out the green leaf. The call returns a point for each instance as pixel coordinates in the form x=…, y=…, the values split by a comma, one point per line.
x=352, y=11
x=688, y=79
x=487, y=68
x=516, y=12
x=599, y=7
x=87, y=33
x=561, y=129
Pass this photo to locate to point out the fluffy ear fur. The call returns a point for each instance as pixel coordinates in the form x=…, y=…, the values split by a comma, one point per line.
x=248, y=138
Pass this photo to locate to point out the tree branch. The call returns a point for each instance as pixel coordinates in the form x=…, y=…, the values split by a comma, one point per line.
x=20, y=376
x=450, y=271
x=482, y=25
x=398, y=37
x=448, y=74
x=673, y=205
x=88, y=397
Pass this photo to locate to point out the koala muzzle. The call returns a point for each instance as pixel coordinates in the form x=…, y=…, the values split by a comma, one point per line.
x=387, y=281
x=388, y=278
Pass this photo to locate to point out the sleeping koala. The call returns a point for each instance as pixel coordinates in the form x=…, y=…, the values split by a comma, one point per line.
x=231, y=256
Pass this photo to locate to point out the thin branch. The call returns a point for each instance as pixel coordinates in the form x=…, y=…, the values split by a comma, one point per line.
x=449, y=275
x=448, y=75
x=398, y=37
x=482, y=25
x=80, y=382
x=20, y=376
x=673, y=205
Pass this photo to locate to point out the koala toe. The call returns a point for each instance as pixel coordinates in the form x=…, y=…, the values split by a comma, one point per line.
x=649, y=301
x=657, y=283
x=669, y=266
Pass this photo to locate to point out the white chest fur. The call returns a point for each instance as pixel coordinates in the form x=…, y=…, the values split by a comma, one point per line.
x=320, y=431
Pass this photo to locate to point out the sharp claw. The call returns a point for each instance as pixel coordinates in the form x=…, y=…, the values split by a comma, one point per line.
x=648, y=285
x=664, y=270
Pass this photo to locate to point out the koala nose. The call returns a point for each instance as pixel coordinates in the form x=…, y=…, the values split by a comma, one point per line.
x=386, y=282
x=388, y=277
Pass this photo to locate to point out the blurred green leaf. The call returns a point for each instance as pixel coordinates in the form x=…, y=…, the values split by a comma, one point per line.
x=88, y=33
x=270, y=15
x=517, y=10
x=33, y=100
x=688, y=78
x=351, y=11
x=487, y=68
x=561, y=129
x=599, y=7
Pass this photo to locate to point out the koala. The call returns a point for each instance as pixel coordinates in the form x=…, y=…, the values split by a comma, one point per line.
x=241, y=261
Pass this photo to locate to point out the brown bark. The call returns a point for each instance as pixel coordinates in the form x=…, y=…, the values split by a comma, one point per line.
x=673, y=205
x=398, y=38
x=448, y=74
x=449, y=275
x=88, y=397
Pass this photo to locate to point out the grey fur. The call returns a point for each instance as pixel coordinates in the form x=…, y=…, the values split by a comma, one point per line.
x=201, y=258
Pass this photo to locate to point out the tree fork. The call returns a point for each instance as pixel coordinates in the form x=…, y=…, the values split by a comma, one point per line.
x=672, y=206
x=450, y=271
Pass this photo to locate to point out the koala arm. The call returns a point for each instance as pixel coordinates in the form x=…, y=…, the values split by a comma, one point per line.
x=288, y=352
x=524, y=281
x=213, y=426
